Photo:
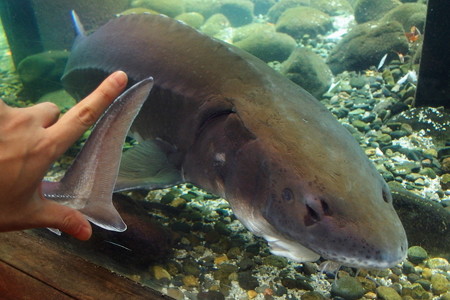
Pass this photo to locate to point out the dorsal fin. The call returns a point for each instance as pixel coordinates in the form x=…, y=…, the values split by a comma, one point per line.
x=78, y=26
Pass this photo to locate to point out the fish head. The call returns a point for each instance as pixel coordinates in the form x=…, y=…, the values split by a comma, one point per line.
x=311, y=191
x=303, y=214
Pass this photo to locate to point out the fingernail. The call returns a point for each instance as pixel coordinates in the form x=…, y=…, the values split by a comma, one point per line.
x=120, y=77
x=85, y=233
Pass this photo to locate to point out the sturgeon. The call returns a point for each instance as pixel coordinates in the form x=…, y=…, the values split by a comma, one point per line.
x=223, y=120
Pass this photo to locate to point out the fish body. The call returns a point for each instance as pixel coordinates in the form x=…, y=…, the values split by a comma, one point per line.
x=223, y=120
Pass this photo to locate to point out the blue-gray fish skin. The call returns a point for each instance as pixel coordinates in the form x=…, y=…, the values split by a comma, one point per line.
x=222, y=119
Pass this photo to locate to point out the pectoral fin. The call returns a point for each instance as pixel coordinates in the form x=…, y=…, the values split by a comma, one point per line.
x=89, y=182
x=146, y=166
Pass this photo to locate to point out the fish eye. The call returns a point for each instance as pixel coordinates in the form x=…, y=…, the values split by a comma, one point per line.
x=287, y=195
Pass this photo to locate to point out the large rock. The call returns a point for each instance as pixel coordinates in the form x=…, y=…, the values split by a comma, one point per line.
x=40, y=73
x=280, y=7
x=215, y=24
x=307, y=69
x=262, y=6
x=171, y=8
x=245, y=31
x=268, y=45
x=193, y=19
x=409, y=14
x=238, y=12
x=205, y=7
x=426, y=223
x=61, y=98
x=334, y=7
x=370, y=10
x=365, y=45
x=299, y=21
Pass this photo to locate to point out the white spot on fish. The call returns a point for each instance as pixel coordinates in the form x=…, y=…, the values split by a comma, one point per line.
x=219, y=159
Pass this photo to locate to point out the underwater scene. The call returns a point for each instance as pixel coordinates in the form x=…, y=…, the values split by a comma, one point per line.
x=235, y=182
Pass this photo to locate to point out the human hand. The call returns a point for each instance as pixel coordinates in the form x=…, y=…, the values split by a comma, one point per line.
x=31, y=139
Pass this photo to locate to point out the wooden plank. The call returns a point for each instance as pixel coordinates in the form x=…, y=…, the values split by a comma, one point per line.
x=65, y=272
x=16, y=285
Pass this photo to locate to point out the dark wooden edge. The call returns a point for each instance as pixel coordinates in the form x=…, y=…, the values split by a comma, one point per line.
x=31, y=266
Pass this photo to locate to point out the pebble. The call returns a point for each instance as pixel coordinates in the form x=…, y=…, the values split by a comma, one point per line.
x=190, y=281
x=347, y=288
x=275, y=261
x=252, y=294
x=416, y=291
x=439, y=284
x=159, y=273
x=247, y=281
x=221, y=259
x=296, y=283
x=438, y=263
x=387, y=293
x=312, y=295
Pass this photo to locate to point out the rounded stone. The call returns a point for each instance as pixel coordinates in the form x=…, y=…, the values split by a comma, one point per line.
x=347, y=288
x=300, y=21
x=268, y=45
x=280, y=7
x=239, y=12
x=193, y=19
x=275, y=261
x=312, y=295
x=369, y=10
x=387, y=293
x=247, y=281
x=308, y=70
x=417, y=254
x=438, y=263
x=439, y=284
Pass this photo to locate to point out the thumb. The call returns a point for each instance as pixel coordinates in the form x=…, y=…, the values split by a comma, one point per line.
x=66, y=219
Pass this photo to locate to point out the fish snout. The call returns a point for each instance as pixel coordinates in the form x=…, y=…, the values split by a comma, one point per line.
x=337, y=230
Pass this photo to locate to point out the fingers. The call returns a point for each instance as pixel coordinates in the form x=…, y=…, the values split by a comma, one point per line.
x=66, y=219
x=83, y=115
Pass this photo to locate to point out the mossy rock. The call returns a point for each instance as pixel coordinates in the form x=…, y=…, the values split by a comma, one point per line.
x=268, y=45
x=408, y=14
x=215, y=24
x=206, y=8
x=300, y=21
x=245, y=31
x=308, y=70
x=426, y=223
x=280, y=7
x=262, y=6
x=171, y=8
x=238, y=12
x=61, y=98
x=370, y=10
x=193, y=19
x=333, y=8
x=365, y=45
x=40, y=73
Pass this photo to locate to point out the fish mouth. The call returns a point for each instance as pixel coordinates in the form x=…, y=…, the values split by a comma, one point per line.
x=360, y=253
x=363, y=262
